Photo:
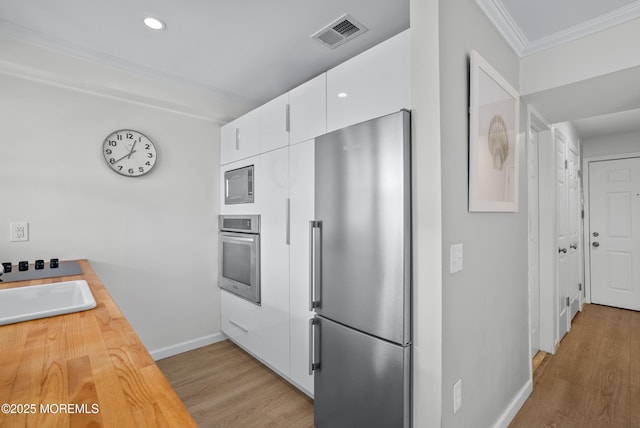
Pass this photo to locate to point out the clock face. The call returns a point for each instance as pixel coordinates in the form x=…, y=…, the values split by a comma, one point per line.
x=129, y=153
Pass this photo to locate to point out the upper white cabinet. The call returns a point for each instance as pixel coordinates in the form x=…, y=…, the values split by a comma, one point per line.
x=375, y=83
x=274, y=132
x=308, y=110
x=240, y=138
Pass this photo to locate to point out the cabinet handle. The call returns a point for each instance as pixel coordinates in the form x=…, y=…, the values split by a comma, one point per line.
x=237, y=138
x=315, y=262
x=288, y=217
x=288, y=117
x=244, y=329
x=314, y=345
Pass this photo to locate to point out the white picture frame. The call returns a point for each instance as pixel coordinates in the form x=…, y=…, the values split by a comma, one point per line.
x=494, y=113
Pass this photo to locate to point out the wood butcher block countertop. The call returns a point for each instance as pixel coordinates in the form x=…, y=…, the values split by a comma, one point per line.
x=85, y=369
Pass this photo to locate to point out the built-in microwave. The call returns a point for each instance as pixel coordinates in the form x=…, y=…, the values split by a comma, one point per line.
x=238, y=185
x=239, y=255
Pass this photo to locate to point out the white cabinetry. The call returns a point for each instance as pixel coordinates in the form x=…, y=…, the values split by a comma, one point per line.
x=308, y=110
x=274, y=132
x=240, y=138
x=375, y=83
x=273, y=177
x=302, y=208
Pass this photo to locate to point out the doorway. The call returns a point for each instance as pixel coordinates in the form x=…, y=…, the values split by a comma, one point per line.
x=612, y=235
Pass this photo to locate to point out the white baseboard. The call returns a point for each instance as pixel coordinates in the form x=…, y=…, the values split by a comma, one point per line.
x=179, y=348
x=512, y=409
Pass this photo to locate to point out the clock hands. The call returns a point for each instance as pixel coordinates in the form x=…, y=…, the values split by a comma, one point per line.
x=132, y=149
x=128, y=155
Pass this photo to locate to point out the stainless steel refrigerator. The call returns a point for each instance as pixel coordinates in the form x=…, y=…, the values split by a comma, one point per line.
x=360, y=275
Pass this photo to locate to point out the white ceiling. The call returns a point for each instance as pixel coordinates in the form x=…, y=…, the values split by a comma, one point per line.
x=257, y=49
x=254, y=49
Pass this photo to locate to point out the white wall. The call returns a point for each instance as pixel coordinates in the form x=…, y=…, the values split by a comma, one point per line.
x=611, y=145
x=152, y=240
x=601, y=53
x=427, y=215
x=485, y=307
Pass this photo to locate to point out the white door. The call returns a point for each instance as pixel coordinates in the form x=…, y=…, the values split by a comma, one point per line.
x=614, y=232
x=534, y=256
x=574, y=224
x=562, y=235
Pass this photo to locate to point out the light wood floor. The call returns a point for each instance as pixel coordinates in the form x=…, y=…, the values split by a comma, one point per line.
x=594, y=378
x=592, y=381
x=223, y=386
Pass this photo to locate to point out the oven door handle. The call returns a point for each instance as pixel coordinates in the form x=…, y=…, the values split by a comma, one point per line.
x=237, y=238
x=315, y=263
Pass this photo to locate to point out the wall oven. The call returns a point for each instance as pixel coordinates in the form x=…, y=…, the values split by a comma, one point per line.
x=239, y=255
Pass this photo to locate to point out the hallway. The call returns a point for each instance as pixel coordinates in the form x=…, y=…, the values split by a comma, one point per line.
x=594, y=378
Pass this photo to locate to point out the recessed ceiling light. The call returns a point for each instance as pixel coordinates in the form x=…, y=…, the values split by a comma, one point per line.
x=342, y=95
x=154, y=23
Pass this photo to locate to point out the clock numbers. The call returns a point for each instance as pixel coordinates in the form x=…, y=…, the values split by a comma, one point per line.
x=129, y=153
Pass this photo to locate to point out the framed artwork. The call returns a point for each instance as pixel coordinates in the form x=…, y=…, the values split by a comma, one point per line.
x=494, y=110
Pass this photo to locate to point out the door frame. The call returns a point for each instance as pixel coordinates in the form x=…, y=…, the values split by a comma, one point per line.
x=587, y=208
x=546, y=228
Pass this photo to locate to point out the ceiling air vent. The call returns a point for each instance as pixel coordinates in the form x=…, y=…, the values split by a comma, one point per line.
x=340, y=31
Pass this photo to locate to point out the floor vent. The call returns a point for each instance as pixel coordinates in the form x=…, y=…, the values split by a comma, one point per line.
x=340, y=31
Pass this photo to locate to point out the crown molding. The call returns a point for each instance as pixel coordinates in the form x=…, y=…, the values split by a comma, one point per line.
x=509, y=29
x=585, y=28
x=118, y=78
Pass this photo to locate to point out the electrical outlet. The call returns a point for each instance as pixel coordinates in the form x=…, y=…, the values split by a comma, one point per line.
x=19, y=231
x=457, y=396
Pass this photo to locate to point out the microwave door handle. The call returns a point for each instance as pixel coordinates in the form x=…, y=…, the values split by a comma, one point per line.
x=315, y=262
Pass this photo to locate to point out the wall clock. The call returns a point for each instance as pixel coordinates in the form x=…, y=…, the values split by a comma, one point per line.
x=129, y=153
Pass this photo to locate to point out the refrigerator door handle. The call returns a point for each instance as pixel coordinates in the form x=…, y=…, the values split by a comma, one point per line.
x=315, y=262
x=314, y=343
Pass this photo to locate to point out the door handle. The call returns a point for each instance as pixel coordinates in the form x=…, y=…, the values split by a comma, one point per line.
x=314, y=344
x=574, y=246
x=562, y=250
x=315, y=262
x=287, y=214
x=596, y=244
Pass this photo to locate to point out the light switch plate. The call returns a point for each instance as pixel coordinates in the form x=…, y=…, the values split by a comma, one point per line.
x=455, y=259
x=457, y=396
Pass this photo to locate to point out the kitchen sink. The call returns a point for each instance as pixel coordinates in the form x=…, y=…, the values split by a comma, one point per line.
x=40, y=301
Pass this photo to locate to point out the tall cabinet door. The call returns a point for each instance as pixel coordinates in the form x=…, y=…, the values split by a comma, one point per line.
x=274, y=253
x=301, y=193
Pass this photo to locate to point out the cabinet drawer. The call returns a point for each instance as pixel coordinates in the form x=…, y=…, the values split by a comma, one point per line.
x=241, y=321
